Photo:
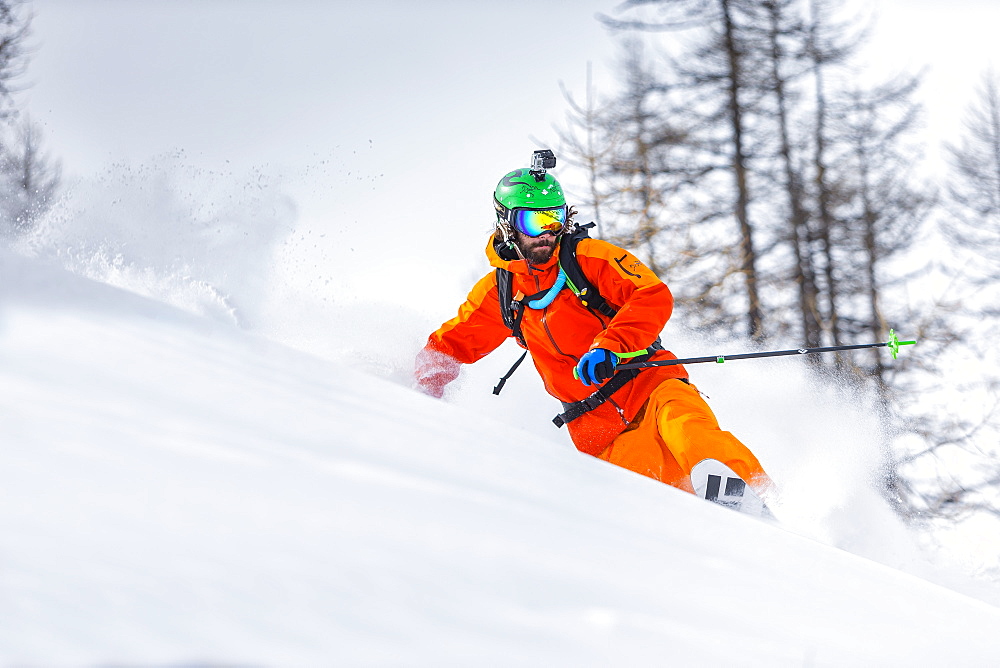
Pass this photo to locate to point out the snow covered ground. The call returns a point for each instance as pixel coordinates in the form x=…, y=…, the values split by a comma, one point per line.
x=177, y=491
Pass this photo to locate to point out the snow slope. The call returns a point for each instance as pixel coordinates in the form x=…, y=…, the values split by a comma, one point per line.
x=175, y=491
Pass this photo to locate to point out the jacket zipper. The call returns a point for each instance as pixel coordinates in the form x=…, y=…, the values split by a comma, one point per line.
x=545, y=325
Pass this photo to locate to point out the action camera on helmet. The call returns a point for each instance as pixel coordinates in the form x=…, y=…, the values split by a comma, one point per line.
x=540, y=161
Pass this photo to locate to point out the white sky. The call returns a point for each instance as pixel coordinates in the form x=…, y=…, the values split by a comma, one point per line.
x=264, y=82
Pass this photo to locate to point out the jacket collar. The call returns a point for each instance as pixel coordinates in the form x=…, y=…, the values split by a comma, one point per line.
x=519, y=266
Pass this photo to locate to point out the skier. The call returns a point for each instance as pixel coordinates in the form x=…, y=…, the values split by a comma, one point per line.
x=653, y=421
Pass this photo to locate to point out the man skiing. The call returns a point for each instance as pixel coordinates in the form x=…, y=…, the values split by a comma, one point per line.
x=653, y=421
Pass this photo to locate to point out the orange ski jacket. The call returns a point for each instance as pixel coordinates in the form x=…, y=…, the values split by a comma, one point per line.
x=559, y=334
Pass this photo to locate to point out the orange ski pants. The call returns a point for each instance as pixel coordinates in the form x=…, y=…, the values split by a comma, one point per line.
x=674, y=431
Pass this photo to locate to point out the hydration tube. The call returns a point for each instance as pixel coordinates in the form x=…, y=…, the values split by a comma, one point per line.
x=550, y=296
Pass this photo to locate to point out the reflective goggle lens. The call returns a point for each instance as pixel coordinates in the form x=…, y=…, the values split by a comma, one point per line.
x=535, y=222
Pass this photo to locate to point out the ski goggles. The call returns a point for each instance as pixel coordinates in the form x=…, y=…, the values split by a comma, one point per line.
x=536, y=222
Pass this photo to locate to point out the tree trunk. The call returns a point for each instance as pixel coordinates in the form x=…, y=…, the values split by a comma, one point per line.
x=748, y=259
x=799, y=233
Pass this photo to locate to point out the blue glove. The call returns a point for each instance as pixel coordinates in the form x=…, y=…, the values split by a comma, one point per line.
x=596, y=366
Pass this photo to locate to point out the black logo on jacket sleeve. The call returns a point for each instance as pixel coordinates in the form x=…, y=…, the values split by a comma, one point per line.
x=634, y=265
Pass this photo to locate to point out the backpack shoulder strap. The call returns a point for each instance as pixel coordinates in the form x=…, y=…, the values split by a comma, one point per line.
x=575, y=278
x=510, y=309
x=506, y=296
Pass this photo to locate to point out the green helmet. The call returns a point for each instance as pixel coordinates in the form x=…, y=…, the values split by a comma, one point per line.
x=519, y=196
x=523, y=189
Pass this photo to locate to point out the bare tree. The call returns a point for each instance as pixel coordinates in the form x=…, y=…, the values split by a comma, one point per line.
x=718, y=76
x=782, y=33
x=751, y=121
x=14, y=27
x=591, y=151
x=831, y=44
x=885, y=205
x=974, y=188
x=972, y=225
x=637, y=153
x=28, y=179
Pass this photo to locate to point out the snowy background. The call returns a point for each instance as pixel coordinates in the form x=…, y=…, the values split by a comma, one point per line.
x=177, y=491
x=210, y=450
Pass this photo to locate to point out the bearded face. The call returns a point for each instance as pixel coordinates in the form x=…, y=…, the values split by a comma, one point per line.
x=537, y=250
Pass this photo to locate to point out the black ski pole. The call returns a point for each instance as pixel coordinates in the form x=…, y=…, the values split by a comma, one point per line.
x=892, y=344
